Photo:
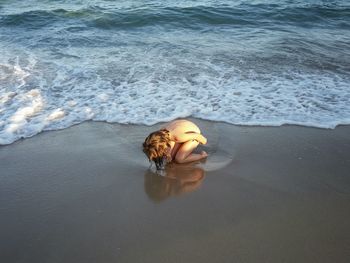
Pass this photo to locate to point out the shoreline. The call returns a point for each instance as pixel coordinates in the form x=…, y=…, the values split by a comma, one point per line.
x=190, y=118
x=265, y=194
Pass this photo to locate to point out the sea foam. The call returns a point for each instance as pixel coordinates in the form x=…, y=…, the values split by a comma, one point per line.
x=153, y=90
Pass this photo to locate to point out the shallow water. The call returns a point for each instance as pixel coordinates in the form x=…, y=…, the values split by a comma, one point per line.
x=242, y=62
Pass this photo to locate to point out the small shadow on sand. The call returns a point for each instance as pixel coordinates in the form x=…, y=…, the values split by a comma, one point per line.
x=173, y=180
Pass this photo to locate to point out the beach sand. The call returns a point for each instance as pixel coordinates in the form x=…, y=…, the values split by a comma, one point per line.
x=265, y=194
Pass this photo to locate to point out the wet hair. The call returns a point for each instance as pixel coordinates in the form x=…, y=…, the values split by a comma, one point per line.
x=156, y=147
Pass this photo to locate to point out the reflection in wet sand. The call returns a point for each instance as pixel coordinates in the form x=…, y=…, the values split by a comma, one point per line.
x=174, y=180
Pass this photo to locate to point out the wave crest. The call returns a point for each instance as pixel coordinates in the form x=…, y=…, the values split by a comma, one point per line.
x=254, y=15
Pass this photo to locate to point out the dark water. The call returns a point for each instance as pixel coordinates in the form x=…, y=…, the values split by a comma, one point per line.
x=242, y=62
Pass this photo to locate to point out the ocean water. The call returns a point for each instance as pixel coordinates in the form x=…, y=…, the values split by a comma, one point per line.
x=142, y=62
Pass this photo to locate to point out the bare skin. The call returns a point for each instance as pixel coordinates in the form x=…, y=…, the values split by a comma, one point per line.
x=185, y=137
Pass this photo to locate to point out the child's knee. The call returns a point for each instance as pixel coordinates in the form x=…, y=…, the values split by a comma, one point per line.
x=185, y=150
x=180, y=158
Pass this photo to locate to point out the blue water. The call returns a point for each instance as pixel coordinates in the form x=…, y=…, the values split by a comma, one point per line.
x=242, y=62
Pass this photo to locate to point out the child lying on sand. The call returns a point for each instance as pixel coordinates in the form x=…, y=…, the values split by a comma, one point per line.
x=174, y=142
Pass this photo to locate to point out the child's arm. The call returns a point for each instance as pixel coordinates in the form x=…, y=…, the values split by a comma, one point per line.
x=185, y=137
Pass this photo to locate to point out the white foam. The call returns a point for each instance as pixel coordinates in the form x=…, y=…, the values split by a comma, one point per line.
x=103, y=97
x=35, y=105
x=56, y=114
x=41, y=93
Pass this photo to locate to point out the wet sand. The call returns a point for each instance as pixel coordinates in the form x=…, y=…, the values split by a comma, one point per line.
x=265, y=194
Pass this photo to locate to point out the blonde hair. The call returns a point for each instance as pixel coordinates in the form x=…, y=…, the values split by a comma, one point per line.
x=156, y=147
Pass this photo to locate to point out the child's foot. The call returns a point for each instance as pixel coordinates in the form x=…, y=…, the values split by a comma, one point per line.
x=204, y=154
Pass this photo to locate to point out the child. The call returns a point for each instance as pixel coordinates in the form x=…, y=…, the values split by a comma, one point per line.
x=174, y=142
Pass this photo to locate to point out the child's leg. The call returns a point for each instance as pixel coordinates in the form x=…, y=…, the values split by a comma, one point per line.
x=185, y=155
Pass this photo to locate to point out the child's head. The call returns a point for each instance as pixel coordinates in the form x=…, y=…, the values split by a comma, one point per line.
x=157, y=147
